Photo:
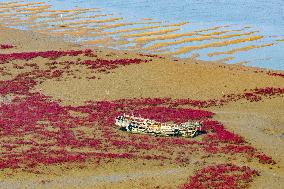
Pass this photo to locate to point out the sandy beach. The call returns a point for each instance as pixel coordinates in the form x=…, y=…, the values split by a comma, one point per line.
x=58, y=101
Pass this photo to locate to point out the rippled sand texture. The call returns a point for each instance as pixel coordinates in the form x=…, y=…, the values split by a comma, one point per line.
x=93, y=26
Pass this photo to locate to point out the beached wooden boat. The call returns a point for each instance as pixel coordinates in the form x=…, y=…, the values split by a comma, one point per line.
x=141, y=125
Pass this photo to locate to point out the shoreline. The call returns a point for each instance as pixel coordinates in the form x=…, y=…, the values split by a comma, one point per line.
x=9, y=33
x=95, y=27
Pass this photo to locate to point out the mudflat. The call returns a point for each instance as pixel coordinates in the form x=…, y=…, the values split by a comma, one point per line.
x=63, y=98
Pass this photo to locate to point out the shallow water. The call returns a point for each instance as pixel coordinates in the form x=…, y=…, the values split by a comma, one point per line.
x=266, y=17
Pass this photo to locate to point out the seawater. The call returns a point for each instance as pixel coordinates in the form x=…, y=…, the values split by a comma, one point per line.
x=265, y=16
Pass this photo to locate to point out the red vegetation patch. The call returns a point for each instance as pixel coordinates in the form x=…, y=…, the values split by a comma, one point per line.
x=145, y=108
x=110, y=64
x=219, y=133
x=220, y=140
x=16, y=86
x=271, y=73
x=224, y=176
x=44, y=54
x=177, y=115
x=6, y=46
x=151, y=56
x=253, y=95
x=276, y=74
x=265, y=159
